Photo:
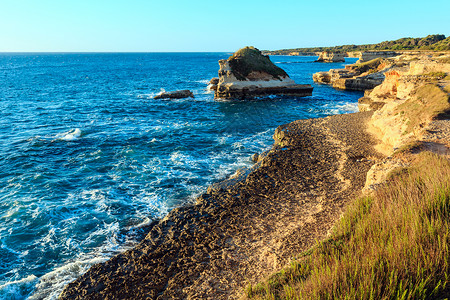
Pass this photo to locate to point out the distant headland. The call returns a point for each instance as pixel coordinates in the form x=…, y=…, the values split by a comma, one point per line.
x=434, y=42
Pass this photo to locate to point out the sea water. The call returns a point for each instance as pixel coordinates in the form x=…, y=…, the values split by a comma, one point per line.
x=88, y=158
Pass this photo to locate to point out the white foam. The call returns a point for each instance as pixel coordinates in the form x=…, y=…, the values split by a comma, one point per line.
x=161, y=91
x=70, y=135
x=204, y=81
x=17, y=289
x=145, y=96
x=345, y=108
x=51, y=284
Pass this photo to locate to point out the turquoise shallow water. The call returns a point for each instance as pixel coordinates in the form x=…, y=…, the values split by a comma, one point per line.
x=88, y=158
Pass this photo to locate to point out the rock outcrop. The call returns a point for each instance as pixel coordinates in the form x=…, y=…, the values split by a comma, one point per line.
x=175, y=95
x=248, y=74
x=411, y=111
x=410, y=97
x=331, y=57
x=357, y=77
x=370, y=55
x=407, y=93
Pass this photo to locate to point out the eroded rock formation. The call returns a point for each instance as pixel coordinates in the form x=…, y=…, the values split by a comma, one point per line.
x=411, y=111
x=370, y=55
x=359, y=77
x=408, y=100
x=248, y=73
x=331, y=57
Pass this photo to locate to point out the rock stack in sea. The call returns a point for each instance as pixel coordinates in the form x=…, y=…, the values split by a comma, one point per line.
x=331, y=57
x=248, y=74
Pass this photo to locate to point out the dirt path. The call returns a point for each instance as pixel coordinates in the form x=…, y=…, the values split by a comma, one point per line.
x=239, y=233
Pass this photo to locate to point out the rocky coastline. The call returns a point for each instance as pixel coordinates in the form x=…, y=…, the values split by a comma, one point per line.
x=251, y=225
x=239, y=231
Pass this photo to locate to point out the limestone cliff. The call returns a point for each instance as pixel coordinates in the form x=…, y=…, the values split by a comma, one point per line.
x=411, y=111
x=407, y=94
x=366, y=56
x=358, y=76
x=410, y=97
x=248, y=73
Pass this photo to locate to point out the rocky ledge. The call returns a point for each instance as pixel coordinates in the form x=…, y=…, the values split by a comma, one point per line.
x=412, y=96
x=248, y=74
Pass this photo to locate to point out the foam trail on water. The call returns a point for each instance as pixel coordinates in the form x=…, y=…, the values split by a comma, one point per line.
x=71, y=135
x=18, y=289
x=51, y=284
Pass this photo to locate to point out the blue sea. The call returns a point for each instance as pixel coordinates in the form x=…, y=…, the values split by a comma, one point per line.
x=88, y=158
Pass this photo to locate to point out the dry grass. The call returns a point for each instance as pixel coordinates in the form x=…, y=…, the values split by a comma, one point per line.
x=428, y=102
x=366, y=66
x=394, y=245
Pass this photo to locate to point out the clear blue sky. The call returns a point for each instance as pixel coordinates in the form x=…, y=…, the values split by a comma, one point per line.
x=177, y=25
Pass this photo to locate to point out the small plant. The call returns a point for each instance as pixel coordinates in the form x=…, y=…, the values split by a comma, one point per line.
x=438, y=75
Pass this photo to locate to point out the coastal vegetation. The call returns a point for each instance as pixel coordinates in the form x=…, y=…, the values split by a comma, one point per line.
x=370, y=65
x=435, y=42
x=428, y=102
x=392, y=245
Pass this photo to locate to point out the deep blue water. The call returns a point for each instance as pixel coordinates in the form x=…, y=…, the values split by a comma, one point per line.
x=88, y=158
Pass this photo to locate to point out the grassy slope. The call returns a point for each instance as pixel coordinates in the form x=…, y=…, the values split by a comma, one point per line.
x=394, y=245
x=428, y=101
x=436, y=42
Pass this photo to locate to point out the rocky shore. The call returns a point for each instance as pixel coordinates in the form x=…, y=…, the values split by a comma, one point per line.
x=251, y=225
x=239, y=233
